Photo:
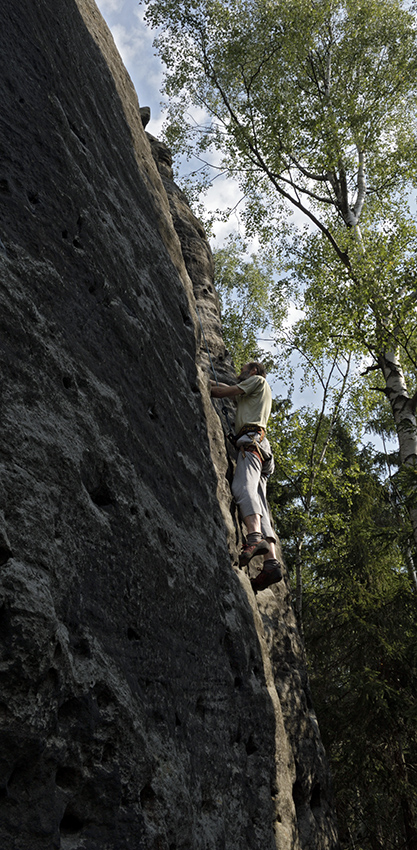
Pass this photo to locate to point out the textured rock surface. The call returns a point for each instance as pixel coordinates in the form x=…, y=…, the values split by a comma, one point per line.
x=138, y=705
x=311, y=787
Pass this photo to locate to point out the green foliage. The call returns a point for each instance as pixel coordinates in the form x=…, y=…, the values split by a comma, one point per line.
x=365, y=313
x=293, y=94
x=250, y=300
x=310, y=105
x=361, y=628
x=362, y=638
x=360, y=623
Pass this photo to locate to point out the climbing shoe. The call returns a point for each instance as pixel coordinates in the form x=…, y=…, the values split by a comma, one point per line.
x=270, y=574
x=249, y=550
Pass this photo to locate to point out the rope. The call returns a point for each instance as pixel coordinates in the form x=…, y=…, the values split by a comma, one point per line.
x=224, y=408
x=207, y=348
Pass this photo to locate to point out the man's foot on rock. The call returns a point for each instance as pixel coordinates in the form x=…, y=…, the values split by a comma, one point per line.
x=249, y=550
x=270, y=574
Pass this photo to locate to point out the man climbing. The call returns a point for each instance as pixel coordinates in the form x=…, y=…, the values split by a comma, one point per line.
x=254, y=465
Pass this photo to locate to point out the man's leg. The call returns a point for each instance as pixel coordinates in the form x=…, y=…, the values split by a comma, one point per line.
x=266, y=527
x=249, y=490
x=245, y=489
x=271, y=572
x=253, y=523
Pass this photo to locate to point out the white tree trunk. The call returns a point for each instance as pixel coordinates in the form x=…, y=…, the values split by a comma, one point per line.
x=403, y=408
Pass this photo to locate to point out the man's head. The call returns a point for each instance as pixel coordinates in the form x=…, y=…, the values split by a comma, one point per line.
x=253, y=368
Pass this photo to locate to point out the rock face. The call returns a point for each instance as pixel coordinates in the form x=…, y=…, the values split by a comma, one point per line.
x=148, y=701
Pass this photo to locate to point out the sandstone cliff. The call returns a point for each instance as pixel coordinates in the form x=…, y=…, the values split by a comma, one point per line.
x=148, y=701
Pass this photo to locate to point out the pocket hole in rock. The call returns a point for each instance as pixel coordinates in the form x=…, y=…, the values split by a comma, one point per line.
x=101, y=496
x=70, y=823
x=250, y=746
x=5, y=554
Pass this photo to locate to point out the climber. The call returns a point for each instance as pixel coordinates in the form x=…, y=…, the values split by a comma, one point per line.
x=254, y=465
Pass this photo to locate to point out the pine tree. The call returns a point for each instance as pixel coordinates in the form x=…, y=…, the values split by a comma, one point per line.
x=360, y=630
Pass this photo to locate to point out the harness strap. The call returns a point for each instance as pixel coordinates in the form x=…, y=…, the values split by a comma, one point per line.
x=249, y=429
x=262, y=453
x=253, y=448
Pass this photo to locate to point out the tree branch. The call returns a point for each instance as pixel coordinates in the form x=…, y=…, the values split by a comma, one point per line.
x=310, y=176
x=374, y=368
x=258, y=158
x=305, y=191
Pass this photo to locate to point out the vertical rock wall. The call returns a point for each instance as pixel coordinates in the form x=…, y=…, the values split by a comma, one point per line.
x=143, y=704
x=285, y=661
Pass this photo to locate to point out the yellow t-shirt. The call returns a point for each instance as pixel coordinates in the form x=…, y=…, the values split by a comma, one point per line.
x=254, y=407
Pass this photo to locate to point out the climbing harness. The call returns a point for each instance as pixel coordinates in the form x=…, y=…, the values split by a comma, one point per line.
x=253, y=446
x=250, y=429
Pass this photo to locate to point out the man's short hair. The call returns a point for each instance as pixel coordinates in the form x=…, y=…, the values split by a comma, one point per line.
x=260, y=368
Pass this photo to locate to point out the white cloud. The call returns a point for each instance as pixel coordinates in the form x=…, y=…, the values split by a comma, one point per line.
x=155, y=125
x=128, y=42
x=293, y=315
x=224, y=194
x=110, y=6
x=133, y=40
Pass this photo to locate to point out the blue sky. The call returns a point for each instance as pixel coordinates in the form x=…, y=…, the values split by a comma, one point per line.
x=134, y=42
x=134, y=39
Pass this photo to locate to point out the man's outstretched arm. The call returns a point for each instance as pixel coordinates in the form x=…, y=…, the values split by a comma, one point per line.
x=225, y=391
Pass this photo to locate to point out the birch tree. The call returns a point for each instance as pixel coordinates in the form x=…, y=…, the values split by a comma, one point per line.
x=310, y=106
